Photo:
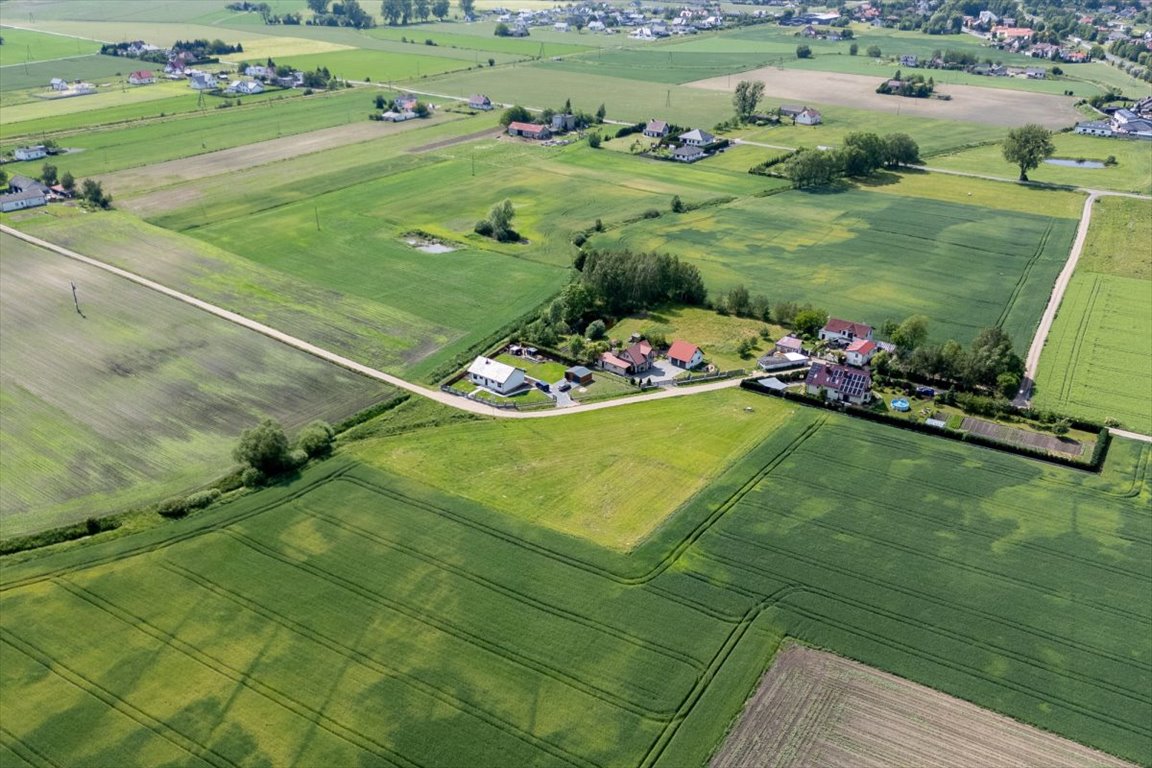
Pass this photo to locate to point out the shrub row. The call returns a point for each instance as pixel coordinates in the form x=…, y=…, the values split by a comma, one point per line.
x=181, y=506
x=89, y=527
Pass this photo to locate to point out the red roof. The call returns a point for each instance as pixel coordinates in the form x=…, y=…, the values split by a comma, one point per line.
x=836, y=325
x=862, y=346
x=525, y=127
x=682, y=350
x=638, y=353
x=142, y=74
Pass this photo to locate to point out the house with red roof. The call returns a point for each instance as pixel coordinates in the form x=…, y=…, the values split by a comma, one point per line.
x=141, y=77
x=839, y=383
x=632, y=361
x=656, y=129
x=843, y=332
x=529, y=130
x=860, y=352
x=685, y=355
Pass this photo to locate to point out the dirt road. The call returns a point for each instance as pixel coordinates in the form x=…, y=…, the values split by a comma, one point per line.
x=453, y=401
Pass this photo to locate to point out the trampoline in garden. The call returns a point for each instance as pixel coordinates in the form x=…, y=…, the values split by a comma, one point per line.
x=901, y=404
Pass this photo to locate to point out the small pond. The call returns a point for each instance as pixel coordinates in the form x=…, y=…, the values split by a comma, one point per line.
x=1065, y=162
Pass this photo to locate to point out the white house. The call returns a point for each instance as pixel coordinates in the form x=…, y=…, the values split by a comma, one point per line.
x=59, y=84
x=245, y=87
x=596, y=26
x=656, y=129
x=684, y=355
x=19, y=200
x=141, y=77
x=479, y=101
x=696, y=138
x=202, y=81
x=809, y=116
x=34, y=152
x=861, y=352
x=499, y=377
x=790, y=344
x=560, y=26
x=687, y=154
x=844, y=332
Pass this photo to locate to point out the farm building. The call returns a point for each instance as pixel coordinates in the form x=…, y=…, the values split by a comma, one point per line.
x=687, y=154
x=529, y=130
x=20, y=183
x=780, y=360
x=499, y=377
x=839, y=383
x=809, y=116
x=789, y=344
x=19, y=200
x=30, y=153
x=562, y=123
x=141, y=77
x=684, y=355
x=629, y=362
x=578, y=374
x=245, y=87
x=861, y=352
x=406, y=103
x=398, y=117
x=844, y=332
x=656, y=129
x=480, y=101
x=696, y=138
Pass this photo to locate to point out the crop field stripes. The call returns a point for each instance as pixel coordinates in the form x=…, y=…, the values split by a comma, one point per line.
x=888, y=505
x=1078, y=339
x=431, y=690
x=197, y=530
x=26, y=751
x=61, y=669
x=888, y=640
x=220, y=667
x=927, y=597
x=447, y=627
x=971, y=640
x=518, y=595
x=1022, y=280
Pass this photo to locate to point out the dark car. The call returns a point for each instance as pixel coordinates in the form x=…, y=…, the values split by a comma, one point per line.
x=925, y=391
x=567, y=385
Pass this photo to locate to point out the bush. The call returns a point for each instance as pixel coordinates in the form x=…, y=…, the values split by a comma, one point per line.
x=594, y=140
x=297, y=457
x=651, y=213
x=596, y=330
x=316, y=439
x=172, y=508
x=264, y=447
x=484, y=227
x=252, y=477
x=201, y=499
x=579, y=239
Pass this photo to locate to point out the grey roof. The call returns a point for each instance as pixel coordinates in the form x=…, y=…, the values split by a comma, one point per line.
x=698, y=135
x=28, y=195
x=579, y=370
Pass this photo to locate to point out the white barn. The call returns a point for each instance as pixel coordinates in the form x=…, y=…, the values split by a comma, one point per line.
x=499, y=377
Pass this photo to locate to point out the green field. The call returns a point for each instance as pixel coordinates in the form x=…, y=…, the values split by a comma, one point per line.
x=874, y=256
x=451, y=634
x=25, y=46
x=1096, y=361
x=112, y=149
x=377, y=66
x=38, y=75
x=1132, y=172
x=138, y=399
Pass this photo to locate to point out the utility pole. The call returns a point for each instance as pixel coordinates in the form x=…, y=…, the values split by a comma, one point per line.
x=75, y=299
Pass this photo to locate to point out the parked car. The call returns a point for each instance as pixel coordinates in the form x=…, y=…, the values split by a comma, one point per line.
x=567, y=385
x=544, y=386
x=925, y=392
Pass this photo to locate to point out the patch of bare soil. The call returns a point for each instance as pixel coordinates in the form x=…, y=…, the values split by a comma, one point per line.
x=1013, y=436
x=816, y=709
x=971, y=103
x=486, y=133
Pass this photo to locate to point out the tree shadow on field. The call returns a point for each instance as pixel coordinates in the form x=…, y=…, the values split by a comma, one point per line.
x=878, y=179
x=835, y=188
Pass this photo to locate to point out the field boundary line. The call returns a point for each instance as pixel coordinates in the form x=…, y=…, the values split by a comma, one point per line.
x=382, y=668
x=63, y=671
x=1014, y=296
x=277, y=697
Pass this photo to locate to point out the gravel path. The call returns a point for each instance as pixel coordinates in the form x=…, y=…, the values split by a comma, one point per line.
x=453, y=401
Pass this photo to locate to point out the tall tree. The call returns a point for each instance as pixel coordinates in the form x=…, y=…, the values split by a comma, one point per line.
x=900, y=149
x=990, y=355
x=423, y=9
x=747, y=96
x=466, y=7
x=811, y=168
x=870, y=145
x=911, y=333
x=318, y=6
x=392, y=11
x=440, y=9
x=1027, y=147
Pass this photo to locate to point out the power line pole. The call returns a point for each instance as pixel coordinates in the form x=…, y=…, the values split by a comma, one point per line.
x=75, y=299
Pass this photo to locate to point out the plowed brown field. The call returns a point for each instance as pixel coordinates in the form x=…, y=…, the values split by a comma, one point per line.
x=817, y=709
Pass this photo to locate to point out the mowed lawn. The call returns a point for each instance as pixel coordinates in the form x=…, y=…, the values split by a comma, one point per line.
x=1131, y=173
x=454, y=634
x=872, y=256
x=650, y=459
x=24, y=45
x=377, y=66
x=1097, y=362
x=718, y=336
x=139, y=398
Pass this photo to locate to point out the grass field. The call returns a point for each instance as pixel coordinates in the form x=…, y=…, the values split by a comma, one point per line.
x=25, y=46
x=451, y=633
x=719, y=336
x=1132, y=172
x=1096, y=362
x=119, y=147
x=37, y=75
x=650, y=461
x=875, y=256
x=377, y=66
x=138, y=399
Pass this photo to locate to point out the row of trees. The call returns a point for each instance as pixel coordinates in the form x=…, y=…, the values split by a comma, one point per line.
x=861, y=155
x=989, y=362
x=90, y=191
x=342, y=13
x=914, y=86
x=518, y=114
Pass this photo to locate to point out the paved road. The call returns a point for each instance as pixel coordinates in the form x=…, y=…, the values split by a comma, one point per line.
x=454, y=401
